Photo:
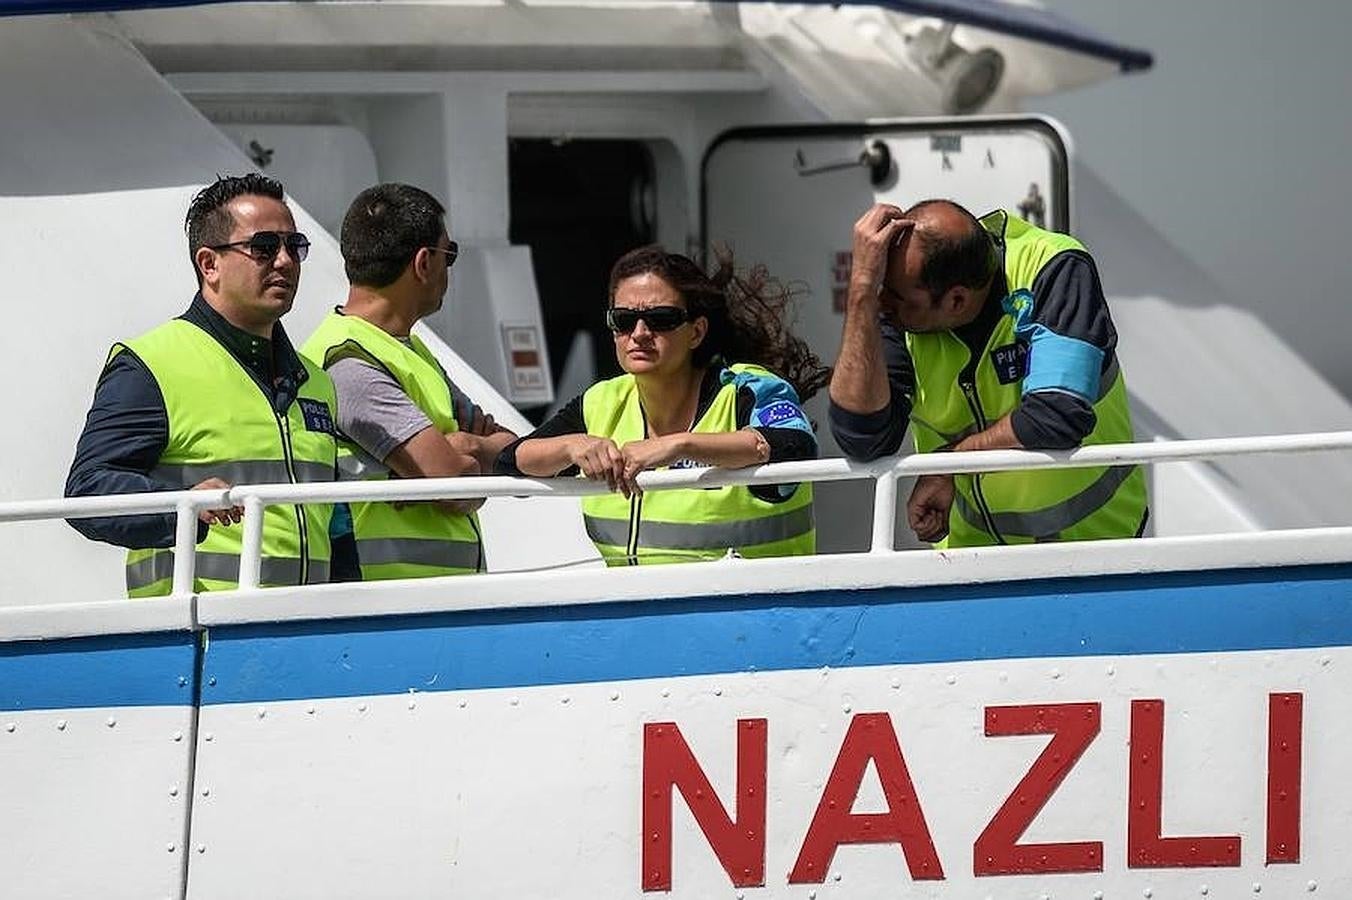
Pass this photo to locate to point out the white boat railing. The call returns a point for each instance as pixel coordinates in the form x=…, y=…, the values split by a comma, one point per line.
x=885, y=474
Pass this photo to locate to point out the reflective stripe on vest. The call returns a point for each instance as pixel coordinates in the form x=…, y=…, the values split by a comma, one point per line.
x=1041, y=524
x=222, y=423
x=223, y=567
x=419, y=552
x=246, y=471
x=702, y=535
x=415, y=540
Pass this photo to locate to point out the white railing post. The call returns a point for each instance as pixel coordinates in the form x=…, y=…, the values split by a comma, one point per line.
x=884, y=513
x=185, y=547
x=251, y=551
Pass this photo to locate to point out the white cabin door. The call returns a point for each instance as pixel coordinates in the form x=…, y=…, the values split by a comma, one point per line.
x=786, y=197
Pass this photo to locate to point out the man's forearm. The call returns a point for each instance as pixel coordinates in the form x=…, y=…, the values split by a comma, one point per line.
x=859, y=381
x=490, y=446
x=999, y=436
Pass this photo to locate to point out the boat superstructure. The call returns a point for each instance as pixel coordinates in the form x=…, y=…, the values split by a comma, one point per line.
x=1158, y=717
x=561, y=134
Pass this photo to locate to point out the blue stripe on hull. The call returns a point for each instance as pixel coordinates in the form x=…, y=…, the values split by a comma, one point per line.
x=121, y=670
x=1121, y=615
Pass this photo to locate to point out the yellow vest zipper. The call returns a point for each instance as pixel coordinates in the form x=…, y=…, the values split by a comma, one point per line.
x=973, y=401
x=284, y=426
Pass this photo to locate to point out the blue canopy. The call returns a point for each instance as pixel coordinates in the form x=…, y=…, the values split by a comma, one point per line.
x=1041, y=25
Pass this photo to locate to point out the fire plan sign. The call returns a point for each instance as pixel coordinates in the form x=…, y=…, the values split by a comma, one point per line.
x=525, y=358
x=840, y=279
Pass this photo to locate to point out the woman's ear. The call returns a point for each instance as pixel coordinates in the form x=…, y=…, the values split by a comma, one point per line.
x=699, y=328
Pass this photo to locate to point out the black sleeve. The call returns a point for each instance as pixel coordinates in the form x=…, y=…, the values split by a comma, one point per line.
x=1051, y=420
x=567, y=420
x=867, y=436
x=124, y=436
x=1068, y=301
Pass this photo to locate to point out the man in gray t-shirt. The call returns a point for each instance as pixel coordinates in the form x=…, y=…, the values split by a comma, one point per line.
x=377, y=416
x=395, y=401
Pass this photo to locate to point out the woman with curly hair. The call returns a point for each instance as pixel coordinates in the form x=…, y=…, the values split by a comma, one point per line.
x=712, y=377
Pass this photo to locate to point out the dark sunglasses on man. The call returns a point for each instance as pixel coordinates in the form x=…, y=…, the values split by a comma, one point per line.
x=265, y=245
x=451, y=250
x=623, y=320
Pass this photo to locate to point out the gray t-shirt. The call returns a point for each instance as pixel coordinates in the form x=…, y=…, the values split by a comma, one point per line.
x=374, y=411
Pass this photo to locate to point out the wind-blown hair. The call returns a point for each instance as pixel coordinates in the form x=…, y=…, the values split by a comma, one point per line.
x=746, y=313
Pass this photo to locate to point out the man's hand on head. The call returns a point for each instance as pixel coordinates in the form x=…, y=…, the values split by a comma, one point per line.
x=875, y=234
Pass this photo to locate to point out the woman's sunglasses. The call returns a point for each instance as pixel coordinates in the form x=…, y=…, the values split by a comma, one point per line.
x=623, y=320
x=265, y=245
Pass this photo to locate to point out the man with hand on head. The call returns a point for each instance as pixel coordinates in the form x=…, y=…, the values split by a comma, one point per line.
x=985, y=334
x=214, y=398
x=396, y=406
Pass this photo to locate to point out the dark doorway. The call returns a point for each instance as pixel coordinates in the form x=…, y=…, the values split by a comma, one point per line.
x=579, y=205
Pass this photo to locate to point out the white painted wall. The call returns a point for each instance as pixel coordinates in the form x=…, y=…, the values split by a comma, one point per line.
x=1235, y=146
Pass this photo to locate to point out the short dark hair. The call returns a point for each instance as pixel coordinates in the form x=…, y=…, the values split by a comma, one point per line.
x=383, y=230
x=967, y=260
x=209, y=223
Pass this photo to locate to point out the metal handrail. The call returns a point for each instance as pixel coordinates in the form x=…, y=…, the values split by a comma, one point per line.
x=885, y=473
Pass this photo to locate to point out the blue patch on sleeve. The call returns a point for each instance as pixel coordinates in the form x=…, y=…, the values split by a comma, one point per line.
x=779, y=411
x=1055, y=362
x=776, y=402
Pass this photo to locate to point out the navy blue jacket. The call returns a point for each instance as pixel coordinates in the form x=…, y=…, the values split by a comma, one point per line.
x=127, y=429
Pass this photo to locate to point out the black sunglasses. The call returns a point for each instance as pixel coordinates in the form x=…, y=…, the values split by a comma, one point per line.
x=623, y=320
x=264, y=245
x=452, y=250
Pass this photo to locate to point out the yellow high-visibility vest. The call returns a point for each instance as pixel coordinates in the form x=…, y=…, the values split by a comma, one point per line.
x=684, y=525
x=222, y=424
x=414, y=540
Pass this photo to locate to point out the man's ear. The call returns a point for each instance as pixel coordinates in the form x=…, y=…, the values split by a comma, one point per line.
x=206, y=260
x=422, y=264
x=954, y=302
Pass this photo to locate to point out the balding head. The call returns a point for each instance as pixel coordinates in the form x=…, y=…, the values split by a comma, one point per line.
x=952, y=249
x=945, y=262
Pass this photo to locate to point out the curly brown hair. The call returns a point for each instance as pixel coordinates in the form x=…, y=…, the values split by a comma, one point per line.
x=748, y=313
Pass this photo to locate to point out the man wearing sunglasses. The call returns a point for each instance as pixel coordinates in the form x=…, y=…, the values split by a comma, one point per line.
x=399, y=412
x=217, y=397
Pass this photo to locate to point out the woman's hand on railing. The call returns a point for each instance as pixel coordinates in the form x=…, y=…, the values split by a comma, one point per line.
x=600, y=460
x=649, y=453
